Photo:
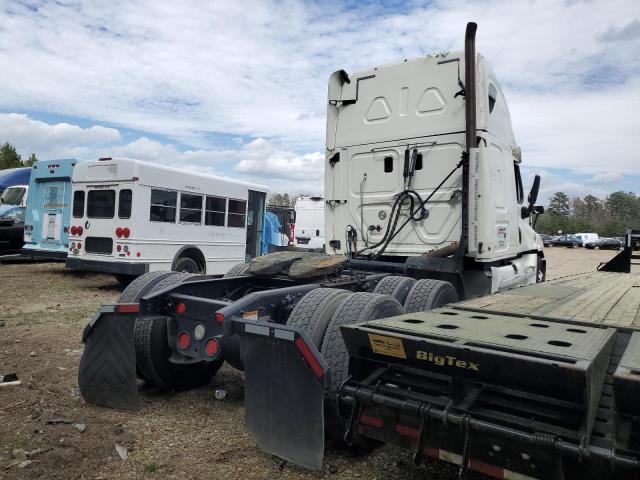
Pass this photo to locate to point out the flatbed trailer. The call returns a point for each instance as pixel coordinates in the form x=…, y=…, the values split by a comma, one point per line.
x=540, y=382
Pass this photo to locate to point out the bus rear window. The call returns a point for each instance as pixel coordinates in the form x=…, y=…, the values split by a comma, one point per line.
x=237, y=211
x=78, y=204
x=190, y=208
x=124, y=204
x=101, y=203
x=163, y=205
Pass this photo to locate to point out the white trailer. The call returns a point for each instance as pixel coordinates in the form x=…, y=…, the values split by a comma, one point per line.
x=131, y=217
x=309, y=226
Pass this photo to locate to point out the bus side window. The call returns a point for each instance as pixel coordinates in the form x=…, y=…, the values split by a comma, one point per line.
x=163, y=205
x=78, y=204
x=124, y=204
x=215, y=211
x=190, y=208
x=237, y=213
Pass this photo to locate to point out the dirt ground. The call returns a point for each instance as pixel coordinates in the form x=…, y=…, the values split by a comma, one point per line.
x=44, y=308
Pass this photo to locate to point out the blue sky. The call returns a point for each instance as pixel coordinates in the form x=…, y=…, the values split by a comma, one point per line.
x=238, y=88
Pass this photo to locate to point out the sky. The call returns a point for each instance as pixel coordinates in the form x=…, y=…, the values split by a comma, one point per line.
x=239, y=88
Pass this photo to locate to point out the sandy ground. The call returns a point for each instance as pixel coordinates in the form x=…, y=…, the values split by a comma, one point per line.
x=43, y=309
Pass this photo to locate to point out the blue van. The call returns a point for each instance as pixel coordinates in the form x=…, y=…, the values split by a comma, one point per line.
x=46, y=228
x=14, y=176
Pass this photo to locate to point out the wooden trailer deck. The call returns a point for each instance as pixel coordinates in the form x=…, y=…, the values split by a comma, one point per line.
x=606, y=298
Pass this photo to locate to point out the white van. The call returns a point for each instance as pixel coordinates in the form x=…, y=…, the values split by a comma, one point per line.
x=130, y=217
x=309, y=226
x=587, y=237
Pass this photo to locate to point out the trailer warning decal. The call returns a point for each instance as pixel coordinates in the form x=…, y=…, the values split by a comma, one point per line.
x=392, y=347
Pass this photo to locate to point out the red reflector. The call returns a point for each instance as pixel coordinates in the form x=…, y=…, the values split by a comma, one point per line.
x=138, y=254
x=408, y=431
x=128, y=253
x=127, y=308
x=119, y=232
x=74, y=230
x=309, y=357
x=211, y=347
x=485, y=468
x=219, y=317
x=126, y=232
x=371, y=421
x=180, y=308
x=79, y=246
x=183, y=340
x=80, y=230
x=432, y=452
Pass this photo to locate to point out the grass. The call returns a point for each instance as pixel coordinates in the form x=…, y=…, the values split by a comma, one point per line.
x=151, y=467
x=20, y=441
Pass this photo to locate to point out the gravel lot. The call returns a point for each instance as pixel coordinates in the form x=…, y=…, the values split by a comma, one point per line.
x=43, y=309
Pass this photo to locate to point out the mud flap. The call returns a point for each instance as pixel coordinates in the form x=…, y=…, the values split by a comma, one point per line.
x=107, y=373
x=284, y=392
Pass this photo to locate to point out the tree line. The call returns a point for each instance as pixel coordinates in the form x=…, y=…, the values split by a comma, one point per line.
x=608, y=218
x=10, y=158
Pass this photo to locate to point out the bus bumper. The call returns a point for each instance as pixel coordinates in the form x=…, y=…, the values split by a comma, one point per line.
x=43, y=253
x=119, y=268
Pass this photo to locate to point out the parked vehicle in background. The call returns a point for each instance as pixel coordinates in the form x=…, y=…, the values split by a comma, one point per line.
x=287, y=218
x=14, y=176
x=309, y=226
x=546, y=239
x=587, y=237
x=605, y=244
x=11, y=228
x=570, y=241
x=46, y=229
x=131, y=217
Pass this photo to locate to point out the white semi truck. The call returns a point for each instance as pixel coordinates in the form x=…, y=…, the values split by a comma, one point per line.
x=424, y=207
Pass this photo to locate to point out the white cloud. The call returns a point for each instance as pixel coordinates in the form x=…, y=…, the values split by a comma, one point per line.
x=53, y=140
x=606, y=177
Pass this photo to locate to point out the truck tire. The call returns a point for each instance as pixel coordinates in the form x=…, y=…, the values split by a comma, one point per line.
x=313, y=312
x=428, y=294
x=237, y=270
x=187, y=265
x=356, y=308
x=141, y=286
x=396, y=286
x=153, y=352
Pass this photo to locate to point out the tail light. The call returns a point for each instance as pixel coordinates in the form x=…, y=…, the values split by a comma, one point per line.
x=184, y=339
x=79, y=246
x=119, y=232
x=118, y=248
x=74, y=230
x=211, y=347
x=181, y=308
x=219, y=317
x=80, y=230
x=126, y=232
x=292, y=233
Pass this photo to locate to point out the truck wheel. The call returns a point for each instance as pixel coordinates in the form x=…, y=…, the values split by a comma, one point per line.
x=314, y=311
x=187, y=265
x=396, y=286
x=237, y=270
x=141, y=286
x=356, y=308
x=153, y=351
x=428, y=294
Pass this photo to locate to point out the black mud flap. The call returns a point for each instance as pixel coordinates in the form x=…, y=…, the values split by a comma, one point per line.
x=107, y=373
x=284, y=391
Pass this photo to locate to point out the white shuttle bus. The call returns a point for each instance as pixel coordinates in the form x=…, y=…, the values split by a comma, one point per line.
x=130, y=217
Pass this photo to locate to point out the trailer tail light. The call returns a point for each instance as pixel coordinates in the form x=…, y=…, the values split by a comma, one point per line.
x=219, y=317
x=309, y=357
x=181, y=308
x=184, y=339
x=126, y=232
x=74, y=230
x=127, y=308
x=119, y=232
x=211, y=347
x=370, y=421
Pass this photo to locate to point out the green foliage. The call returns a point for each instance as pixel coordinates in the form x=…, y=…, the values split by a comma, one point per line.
x=283, y=199
x=10, y=158
x=608, y=218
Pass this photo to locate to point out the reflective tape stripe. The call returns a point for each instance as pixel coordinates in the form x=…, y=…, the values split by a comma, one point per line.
x=285, y=334
x=256, y=329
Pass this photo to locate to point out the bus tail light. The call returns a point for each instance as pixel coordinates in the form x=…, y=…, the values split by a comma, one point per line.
x=74, y=230
x=126, y=232
x=184, y=339
x=79, y=246
x=118, y=248
x=80, y=230
x=211, y=347
x=119, y=232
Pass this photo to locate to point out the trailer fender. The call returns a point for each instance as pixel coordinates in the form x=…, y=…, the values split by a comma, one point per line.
x=107, y=373
x=285, y=380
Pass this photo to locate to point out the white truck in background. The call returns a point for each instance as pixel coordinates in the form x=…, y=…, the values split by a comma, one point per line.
x=309, y=226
